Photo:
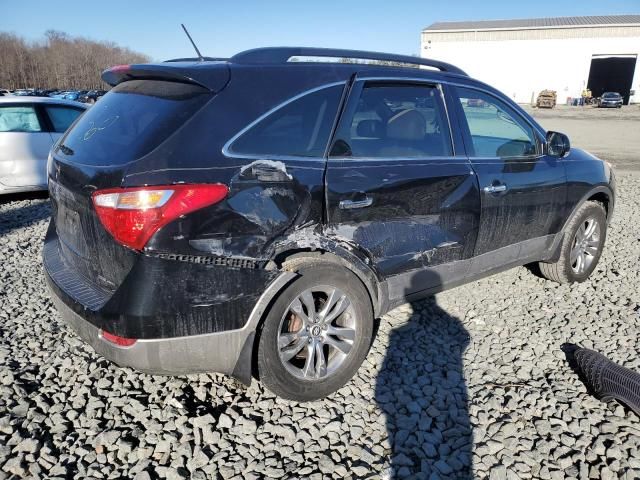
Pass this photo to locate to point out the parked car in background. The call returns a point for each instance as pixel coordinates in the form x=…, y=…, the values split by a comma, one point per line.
x=46, y=92
x=24, y=92
x=29, y=126
x=74, y=95
x=259, y=225
x=5, y=93
x=91, y=96
x=611, y=100
x=476, y=102
x=59, y=94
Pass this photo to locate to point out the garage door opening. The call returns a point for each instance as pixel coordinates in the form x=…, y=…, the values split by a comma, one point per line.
x=612, y=74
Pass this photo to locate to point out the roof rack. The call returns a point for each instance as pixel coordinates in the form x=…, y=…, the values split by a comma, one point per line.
x=283, y=54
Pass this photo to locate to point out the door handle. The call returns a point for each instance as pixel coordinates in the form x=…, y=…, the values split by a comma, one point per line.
x=495, y=188
x=349, y=204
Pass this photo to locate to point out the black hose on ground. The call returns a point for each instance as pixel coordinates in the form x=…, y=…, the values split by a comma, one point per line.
x=603, y=378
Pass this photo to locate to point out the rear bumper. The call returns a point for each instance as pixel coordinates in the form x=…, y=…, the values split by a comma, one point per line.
x=217, y=352
x=228, y=352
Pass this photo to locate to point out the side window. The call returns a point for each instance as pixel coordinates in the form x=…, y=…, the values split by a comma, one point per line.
x=496, y=131
x=404, y=120
x=300, y=128
x=19, y=118
x=62, y=117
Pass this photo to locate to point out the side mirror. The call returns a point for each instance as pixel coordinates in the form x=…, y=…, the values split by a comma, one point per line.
x=558, y=144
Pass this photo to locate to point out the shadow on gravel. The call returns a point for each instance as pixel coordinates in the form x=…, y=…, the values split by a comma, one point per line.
x=22, y=216
x=422, y=391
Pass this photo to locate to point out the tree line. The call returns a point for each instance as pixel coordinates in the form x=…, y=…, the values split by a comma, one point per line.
x=59, y=61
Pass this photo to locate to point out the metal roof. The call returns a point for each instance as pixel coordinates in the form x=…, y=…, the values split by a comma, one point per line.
x=533, y=23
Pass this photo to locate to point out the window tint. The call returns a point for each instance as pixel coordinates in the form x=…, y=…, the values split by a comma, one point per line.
x=130, y=121
x=496, y=131
x=300, y=128
x=62, y=117
x=18, y=118
x=404, y=121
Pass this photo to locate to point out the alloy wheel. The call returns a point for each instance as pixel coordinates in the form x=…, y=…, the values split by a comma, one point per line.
x=317, y=333
x=585, y=246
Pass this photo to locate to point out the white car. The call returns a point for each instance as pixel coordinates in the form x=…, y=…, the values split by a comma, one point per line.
x=29, y=126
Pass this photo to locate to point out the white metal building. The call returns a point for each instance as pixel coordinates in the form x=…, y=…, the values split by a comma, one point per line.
x=523, y=57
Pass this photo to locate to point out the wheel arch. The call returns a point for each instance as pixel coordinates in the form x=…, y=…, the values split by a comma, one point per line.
x=313, y=249
x=603, y=197
x=375, y=287
x=601, y=194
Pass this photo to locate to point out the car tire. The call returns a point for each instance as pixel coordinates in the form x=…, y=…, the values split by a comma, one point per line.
x=319, y=367
x=582, y=245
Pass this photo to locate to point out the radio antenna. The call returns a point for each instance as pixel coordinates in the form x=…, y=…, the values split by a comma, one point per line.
x=192, y=43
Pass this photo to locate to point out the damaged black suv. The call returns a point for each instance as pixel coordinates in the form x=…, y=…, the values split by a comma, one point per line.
x=253, y=215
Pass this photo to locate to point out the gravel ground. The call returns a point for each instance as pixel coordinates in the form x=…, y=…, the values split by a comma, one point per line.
x=469, y=383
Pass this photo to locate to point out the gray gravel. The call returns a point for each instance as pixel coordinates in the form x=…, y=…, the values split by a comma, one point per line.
x=469, y=383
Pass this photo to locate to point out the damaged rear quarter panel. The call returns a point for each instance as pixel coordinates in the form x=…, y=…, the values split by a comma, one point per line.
x=266, y=201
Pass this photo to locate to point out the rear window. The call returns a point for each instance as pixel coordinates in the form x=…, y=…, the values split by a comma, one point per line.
x=130, y=121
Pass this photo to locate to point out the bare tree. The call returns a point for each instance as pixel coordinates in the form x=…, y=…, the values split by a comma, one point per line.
x=59, y=61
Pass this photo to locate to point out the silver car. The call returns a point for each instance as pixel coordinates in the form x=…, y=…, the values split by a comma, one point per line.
x=29, y=126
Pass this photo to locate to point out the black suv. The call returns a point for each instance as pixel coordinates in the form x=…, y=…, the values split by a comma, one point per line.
x=253, y=215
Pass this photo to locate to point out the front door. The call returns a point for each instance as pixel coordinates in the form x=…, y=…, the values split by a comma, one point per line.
x=523, y=191
x=395, y=186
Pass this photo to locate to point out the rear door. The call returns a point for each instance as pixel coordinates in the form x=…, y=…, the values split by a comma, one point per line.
x=523, y=190
x=24, y=146
x=397, y=187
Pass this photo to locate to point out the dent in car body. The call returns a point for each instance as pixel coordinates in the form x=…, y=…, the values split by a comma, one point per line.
x=423, y=213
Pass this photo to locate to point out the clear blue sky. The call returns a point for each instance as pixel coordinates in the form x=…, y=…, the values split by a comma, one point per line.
x=222, y=28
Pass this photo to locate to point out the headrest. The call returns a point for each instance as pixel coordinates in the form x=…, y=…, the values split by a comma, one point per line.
x=370, y=129
x=407, y=125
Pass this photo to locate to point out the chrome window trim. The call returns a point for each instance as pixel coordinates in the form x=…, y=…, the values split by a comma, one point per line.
x=226, y=149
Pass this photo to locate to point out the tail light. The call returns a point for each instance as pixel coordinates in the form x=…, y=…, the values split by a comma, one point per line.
x=117, y=340
x=133, y=215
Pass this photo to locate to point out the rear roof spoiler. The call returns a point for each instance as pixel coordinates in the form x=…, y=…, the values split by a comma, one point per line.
x=193, y=72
